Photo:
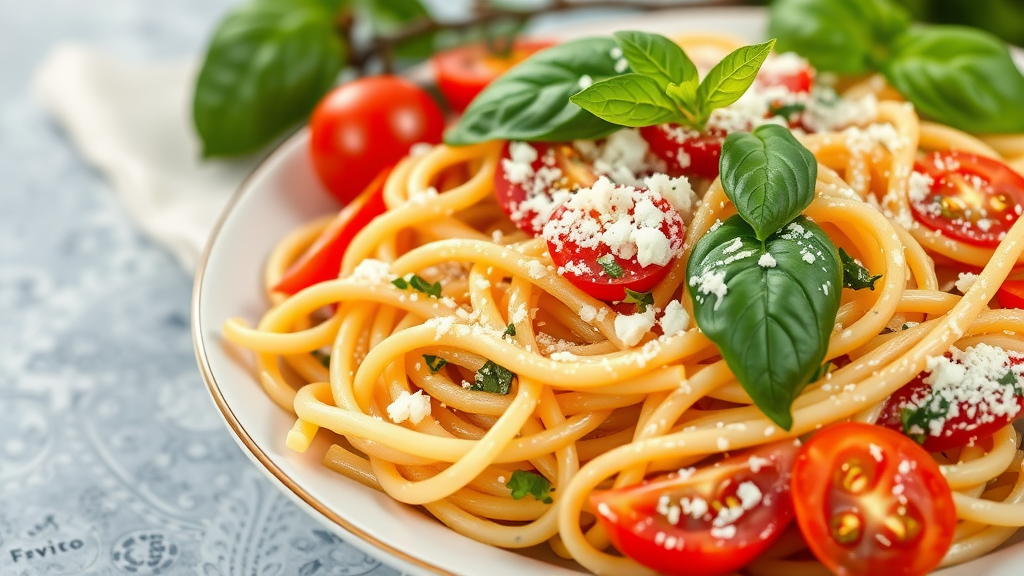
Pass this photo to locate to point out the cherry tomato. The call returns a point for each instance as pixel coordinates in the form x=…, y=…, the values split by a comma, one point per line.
x=1011, y=294
x=542, y=174
x=686, y=152
x=712, y=521
x=577, y=237
x=464, y=72
x=789, y=71
x=322, y=260
x=963, y=429
x=972, y=198
x=872, y=502
x=365, y=125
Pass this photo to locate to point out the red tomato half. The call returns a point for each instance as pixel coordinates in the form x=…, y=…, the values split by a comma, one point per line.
x=464, y=72
x=365, y=125
x=961, y=430
x=711, y=522
x=686, y=152
x=872, y=502
x=539, y=173
x=576, y=237
x=1011, y=294
x=972, y=198
x=796, y=76
x=322, y=260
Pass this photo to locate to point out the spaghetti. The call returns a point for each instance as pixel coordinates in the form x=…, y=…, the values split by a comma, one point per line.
x=586, y=410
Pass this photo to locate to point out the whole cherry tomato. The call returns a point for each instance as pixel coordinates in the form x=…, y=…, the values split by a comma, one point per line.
x=365, y=125
x=464, y=72
x=971, y=198
x=870, y=501
x=701, y=523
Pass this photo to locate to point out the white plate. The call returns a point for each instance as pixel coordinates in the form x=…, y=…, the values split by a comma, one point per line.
x=279, y=196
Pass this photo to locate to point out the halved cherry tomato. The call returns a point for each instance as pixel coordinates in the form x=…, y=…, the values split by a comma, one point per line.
x=872, y=502
x=972, y=198
x=322, y=260
x=710, y=522
x=685, y=151
x=365, y=125
x=575, y=238
x=1011, y=294
x=537, y=172
x=795, y=75
x=464, y=72
x=961, y=430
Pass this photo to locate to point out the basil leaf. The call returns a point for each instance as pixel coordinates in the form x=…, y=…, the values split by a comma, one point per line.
x=771, y=323
x=531, y=101
x=731, y=77
x=856, y=276
x=641, y=299
x=959, y=76
x=400, y=283
x=493, y=378
x=267, y=66
x=658, y=58
x=629, y=100
x=388, y=16
x=610, y=266
x=510, y=330
x=844, y=36
x=435, y=363
x=768, y=175
x=522, y=483
x=421, y=285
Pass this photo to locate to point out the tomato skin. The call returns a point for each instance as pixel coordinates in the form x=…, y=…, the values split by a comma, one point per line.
x=952, y=436
x=1011, y=294
x=848, y=471
x=464, y=72
x=799, y=81
x=633, y=522
x=322, y=260
x=365, y=125
x=702, y=149
x=973, y=199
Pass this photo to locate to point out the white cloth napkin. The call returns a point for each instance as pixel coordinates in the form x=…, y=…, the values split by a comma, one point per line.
x=132, y=121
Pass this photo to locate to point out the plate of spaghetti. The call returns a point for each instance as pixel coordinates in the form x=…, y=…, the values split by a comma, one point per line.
x=668, y=298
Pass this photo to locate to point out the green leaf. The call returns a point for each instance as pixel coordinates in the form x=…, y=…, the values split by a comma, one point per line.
x=531, y=101
x=685, y=97
x=641, y=299
x=510, y=330
x=610, y=266
x=786, y=110
x=388, y=16
x=730, y=78
x=658, y=58
x=768, y=175
x=959, y=76
x=322, y=357
x=525, y=483
x=629, y=100
x=856, y=276
x=435, y=363
x=770, y=323
x=844, y=36
x=267, y=66
x=432, y=290
x=493, y=378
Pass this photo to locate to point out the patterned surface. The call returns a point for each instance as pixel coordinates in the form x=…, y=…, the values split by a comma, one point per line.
x=113, y=459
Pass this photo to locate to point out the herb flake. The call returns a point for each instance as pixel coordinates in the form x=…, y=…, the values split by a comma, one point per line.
x=419, y=284
x=611, y=267
x=641, y=299
x=493, y=378
x=435, y=363
x=856, y=276
x=525, y=483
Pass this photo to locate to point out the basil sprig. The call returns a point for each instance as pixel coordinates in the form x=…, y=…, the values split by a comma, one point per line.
x=766, y=284
x=531, y=101
x=954, y=74
x=664, y=86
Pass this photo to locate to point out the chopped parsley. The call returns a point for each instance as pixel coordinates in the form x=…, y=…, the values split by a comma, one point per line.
x=611, y=267
x=510, y=330
x=641, y=299
x=523, y=483
x=786, y=110
x=419, y=284
x=322, y=357
x=435, y=363
x=856, y=276
x=493, y=378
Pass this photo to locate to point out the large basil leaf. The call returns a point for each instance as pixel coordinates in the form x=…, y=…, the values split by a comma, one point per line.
x=658, y=58
x=631, y=100
x=771, y=318
x=845, y=36
x=959, y=76
x=268, y=64
x=768, y=175
x=531, y=101
x=388, y=16
x=731, y=77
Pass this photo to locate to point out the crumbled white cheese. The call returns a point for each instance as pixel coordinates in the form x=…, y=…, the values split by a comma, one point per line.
x=587, y=313
x=372, y=271
x=711, y=282
x=675, y=319
x=826, y=111
x=411, y=407
x=631, y=328
x=766, y=261
x=965, y=281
